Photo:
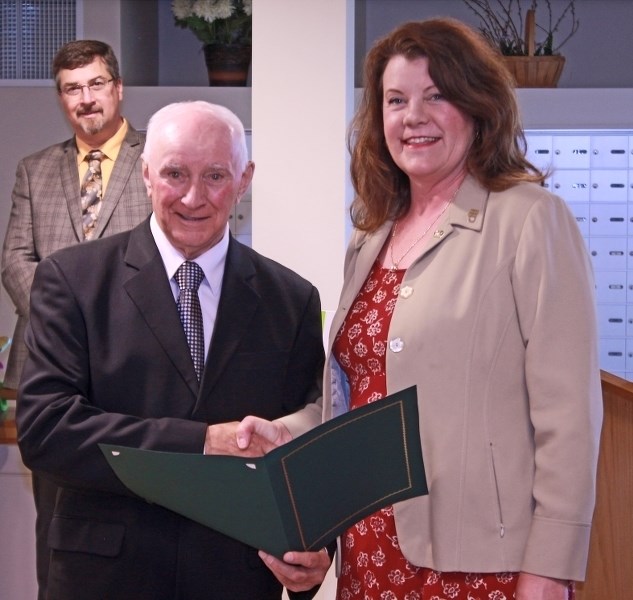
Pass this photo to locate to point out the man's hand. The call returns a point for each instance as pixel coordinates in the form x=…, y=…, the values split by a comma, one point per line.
x=265, y=434
x=535, y=587
x=222, y=439
x=298, y=571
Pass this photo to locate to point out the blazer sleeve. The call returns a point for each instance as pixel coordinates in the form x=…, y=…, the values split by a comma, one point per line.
x=59, y=426
x=553, y=286
x=19, y=255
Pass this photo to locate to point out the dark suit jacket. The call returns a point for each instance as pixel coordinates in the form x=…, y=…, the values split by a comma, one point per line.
x=46, y=216
x=109, y=362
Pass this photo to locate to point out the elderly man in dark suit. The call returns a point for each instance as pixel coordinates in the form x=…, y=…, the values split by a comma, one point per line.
x=49, y=213
x=111, y=360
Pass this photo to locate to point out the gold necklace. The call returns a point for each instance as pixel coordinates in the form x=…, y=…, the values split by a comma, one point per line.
x=395, y=263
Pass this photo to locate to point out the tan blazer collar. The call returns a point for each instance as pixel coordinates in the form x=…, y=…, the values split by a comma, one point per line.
x=469, y=205
x=467, y=211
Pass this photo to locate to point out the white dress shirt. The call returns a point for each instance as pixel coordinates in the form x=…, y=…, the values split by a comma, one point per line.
x=212, y=264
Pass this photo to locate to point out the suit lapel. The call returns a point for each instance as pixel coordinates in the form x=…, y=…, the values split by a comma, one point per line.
x=238, y=303
x=69, y=174
x=124, y=165
x=148, y=287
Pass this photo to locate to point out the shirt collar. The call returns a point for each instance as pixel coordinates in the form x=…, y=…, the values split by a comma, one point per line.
x=110, y=149
x=211, y=262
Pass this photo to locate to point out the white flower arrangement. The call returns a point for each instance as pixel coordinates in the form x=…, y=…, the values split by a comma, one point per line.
x=215, y=21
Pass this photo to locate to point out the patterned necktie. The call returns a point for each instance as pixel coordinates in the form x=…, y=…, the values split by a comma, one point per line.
x=188, y=277
x=91, y=192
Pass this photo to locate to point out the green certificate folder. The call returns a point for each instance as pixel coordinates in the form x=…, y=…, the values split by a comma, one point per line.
x=299, y=496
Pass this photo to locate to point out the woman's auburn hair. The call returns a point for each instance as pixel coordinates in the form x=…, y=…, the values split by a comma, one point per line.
x=471, y=75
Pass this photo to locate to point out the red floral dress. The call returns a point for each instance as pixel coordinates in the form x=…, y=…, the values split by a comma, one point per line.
x=372, y=565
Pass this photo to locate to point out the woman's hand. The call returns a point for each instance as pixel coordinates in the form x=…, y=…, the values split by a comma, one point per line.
x=267, y=434
x=535, y=587
x=222, y=439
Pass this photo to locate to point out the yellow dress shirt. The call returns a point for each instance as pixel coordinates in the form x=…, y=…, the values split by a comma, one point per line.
x=110, y=150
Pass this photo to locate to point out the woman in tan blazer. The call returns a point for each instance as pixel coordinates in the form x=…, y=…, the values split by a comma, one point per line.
x=466, y=278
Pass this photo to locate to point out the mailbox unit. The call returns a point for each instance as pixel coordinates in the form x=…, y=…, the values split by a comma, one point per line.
x=592, y=170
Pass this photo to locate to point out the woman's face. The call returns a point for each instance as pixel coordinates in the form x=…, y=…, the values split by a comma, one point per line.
x=427, y=137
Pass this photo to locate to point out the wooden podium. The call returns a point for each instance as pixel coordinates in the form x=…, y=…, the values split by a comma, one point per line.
x=610, y=568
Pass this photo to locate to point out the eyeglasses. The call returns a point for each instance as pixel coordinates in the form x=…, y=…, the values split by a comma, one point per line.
x=98, y=85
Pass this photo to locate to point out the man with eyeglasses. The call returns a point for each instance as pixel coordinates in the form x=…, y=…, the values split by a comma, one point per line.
x=47, y=212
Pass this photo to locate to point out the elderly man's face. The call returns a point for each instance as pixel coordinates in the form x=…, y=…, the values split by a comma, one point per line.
x=192, y=179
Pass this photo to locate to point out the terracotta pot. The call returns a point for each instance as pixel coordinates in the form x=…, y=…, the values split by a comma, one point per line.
x=227, y=64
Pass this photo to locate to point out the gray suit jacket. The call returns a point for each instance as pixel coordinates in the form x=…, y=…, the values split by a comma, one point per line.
x=46, y=216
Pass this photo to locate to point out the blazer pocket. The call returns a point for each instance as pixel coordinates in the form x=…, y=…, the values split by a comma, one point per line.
x=80, y=535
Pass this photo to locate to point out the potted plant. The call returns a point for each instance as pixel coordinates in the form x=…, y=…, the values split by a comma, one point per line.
x=224, y=28
x=512, y=27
